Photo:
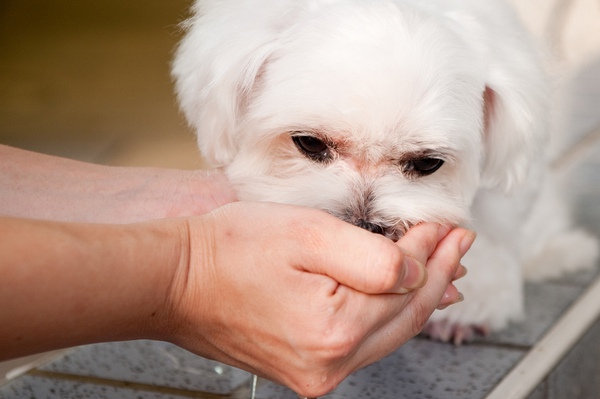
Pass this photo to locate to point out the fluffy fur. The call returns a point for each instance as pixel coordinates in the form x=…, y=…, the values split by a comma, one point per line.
x=387, y=113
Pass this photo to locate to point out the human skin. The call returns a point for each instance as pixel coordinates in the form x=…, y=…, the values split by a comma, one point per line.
x=273, y=302
x=315, y=322
x=289, y=293
x=46, y=187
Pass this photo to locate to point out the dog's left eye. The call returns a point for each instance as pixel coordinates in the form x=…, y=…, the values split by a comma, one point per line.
x=312, y=147
x=424, y=166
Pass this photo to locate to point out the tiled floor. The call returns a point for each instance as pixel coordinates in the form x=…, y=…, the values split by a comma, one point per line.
x=81, y=82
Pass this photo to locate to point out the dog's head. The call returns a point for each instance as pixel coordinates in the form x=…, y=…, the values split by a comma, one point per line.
x=378, y=112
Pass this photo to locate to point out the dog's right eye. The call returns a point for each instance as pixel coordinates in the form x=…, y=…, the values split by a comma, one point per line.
x=312, y=147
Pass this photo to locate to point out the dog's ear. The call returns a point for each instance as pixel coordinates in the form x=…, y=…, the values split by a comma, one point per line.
x=516, y=109
x=515, y=126
x=216, y=66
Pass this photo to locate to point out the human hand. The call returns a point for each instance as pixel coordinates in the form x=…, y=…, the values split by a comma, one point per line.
x=297, y=296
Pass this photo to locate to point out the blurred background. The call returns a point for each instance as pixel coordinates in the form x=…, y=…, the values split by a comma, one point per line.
x=90, y=79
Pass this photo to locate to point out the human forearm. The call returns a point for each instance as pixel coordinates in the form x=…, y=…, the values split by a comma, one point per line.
x=302, y=297
x=45, y=187
x=69, y=284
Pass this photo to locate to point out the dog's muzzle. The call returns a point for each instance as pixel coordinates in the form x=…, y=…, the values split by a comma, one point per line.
x=392, y=232
x=372, y=227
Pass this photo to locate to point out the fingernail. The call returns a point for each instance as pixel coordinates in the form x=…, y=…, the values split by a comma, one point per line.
x=466, y=242
x=415, y=275
x=446, y=298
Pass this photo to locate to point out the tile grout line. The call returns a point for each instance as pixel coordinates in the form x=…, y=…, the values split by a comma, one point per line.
x=126, y=384
x=551, y=348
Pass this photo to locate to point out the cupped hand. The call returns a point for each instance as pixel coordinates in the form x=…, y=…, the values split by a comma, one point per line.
x=302, y=298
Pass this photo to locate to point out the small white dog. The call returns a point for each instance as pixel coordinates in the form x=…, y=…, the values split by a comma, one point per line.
x=387, y=113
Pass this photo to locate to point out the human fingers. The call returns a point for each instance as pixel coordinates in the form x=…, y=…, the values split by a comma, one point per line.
x=445, y=261
x=452, y=295
x=356, y=258
x=417, y=245
x=423, y=246
x=421, y=240
x=462, y=240
x=460, y=273
x=411, y=316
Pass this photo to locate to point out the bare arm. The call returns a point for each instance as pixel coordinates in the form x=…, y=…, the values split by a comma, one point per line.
x=322, y=304
x=40, y=186
x=69, y=284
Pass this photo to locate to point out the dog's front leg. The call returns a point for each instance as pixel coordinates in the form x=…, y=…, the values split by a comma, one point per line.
x=493, y=291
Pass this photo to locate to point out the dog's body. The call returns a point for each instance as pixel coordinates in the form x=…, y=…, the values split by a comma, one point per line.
x=387, y=113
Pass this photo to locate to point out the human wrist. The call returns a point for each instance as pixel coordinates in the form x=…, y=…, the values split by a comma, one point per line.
x=188, y=318
x=167, y=270
x=155, y=193
x=196, y=192
x=182, y=298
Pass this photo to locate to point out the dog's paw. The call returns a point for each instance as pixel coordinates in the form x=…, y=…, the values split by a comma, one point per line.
x=487, y=307
x=446, y=331
x=482, y=312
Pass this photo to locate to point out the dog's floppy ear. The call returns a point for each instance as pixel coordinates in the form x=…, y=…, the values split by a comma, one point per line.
x=516, y=106
x=216, y=66
x=515, y=125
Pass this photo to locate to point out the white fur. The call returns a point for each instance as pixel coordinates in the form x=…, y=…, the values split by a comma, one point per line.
x=382, y=81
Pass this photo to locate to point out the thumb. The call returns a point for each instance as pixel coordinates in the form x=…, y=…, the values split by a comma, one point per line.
x=359, y=259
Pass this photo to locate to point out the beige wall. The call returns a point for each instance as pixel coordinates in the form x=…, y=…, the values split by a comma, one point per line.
x=571, y=28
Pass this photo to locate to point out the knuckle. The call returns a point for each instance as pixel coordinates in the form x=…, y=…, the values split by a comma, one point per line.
x=326, y=368
x=338, y=345
x=388, y=278
x=316, y=384
x=388, y=265
x=426, y=242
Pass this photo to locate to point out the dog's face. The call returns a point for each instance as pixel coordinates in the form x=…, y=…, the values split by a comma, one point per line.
x=361, y=128
x=374, y=112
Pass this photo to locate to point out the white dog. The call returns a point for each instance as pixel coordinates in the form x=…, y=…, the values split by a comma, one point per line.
x=387, y=113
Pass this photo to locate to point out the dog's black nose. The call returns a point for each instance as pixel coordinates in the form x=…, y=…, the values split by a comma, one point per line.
x=372, y=227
